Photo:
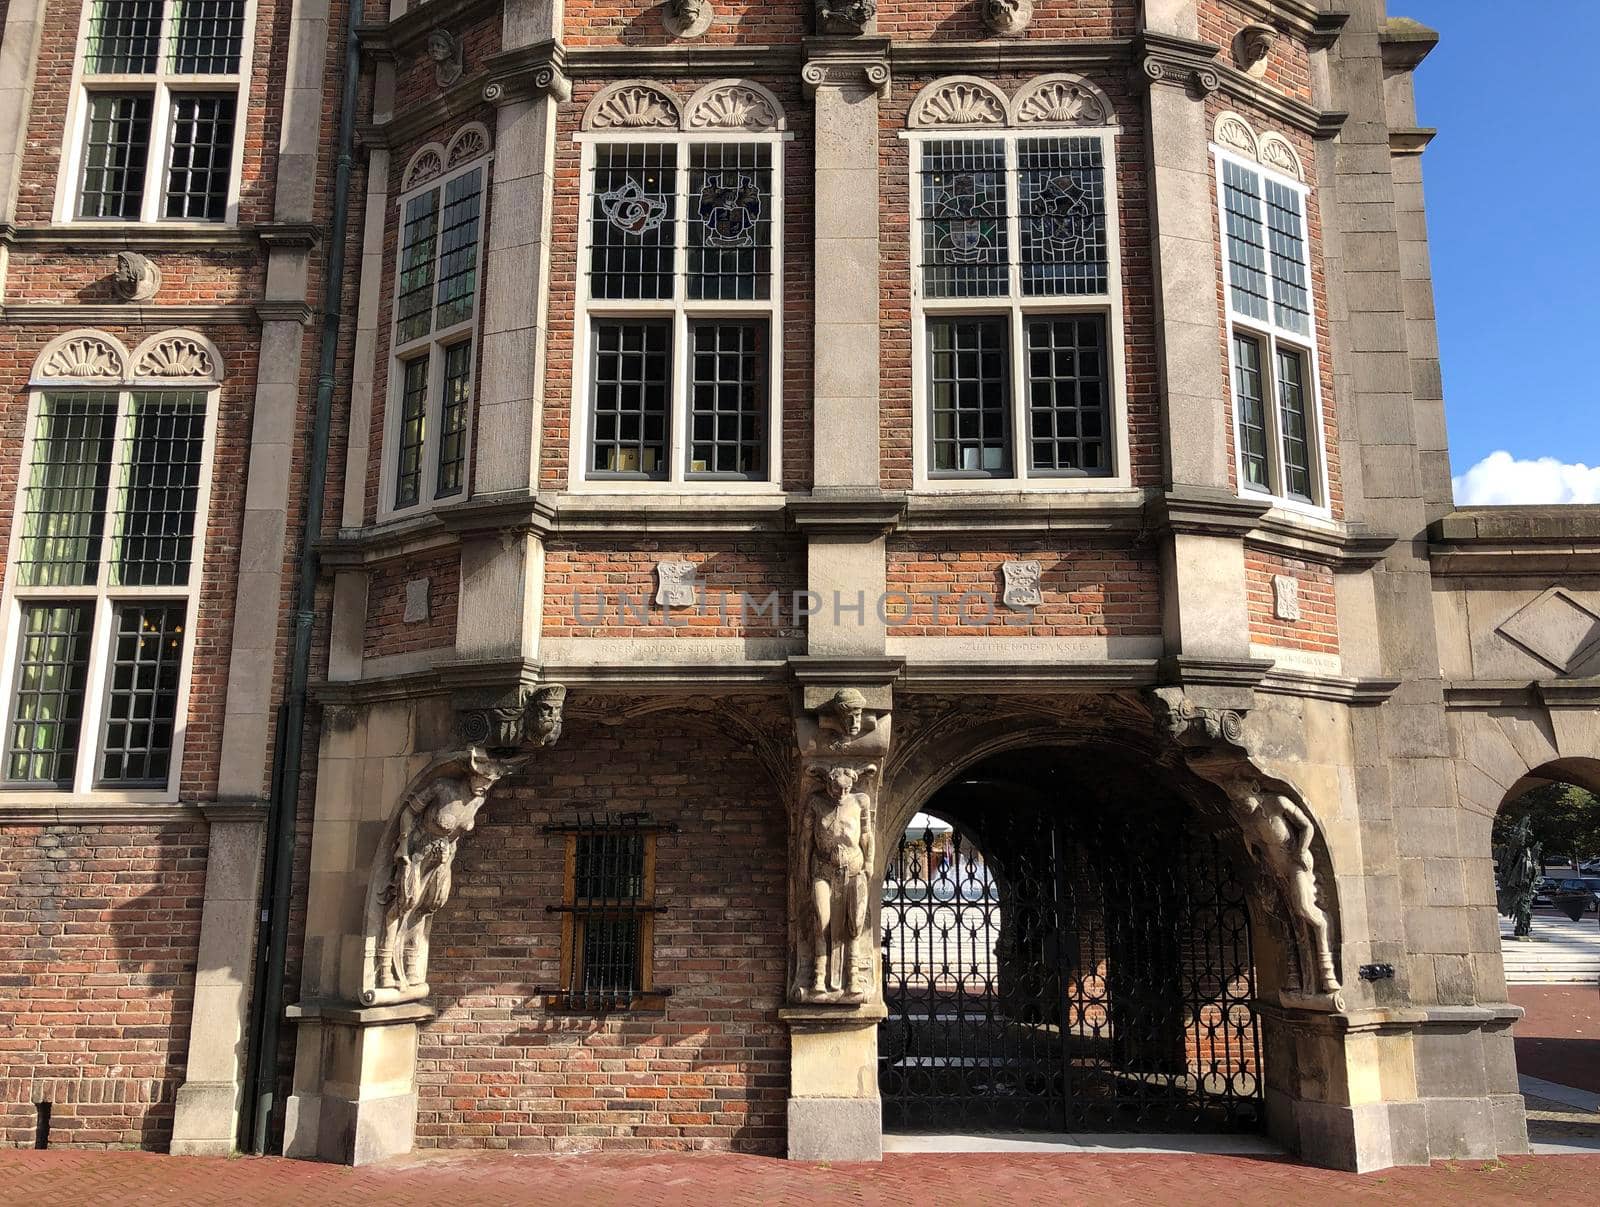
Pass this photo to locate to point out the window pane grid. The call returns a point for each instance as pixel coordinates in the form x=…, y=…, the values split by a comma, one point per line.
x=608, y=886
x=414, y=303
x=1286, y=241
x=1247, y=261
x=730, y=228
x=413, y=426
x=1063, y=230
x=1292, y=419
x=160, y=490
x=633, y=384
x=453, y=420
x=632, y=225
x=208, y=36
x=1066, y=374
x=458, y=247
x=969, y=384
x=47, y=707
x=123, y=37
x=965, y=251
x=727, y=399
x=63, y=510
x=200, y=159
x=1250, y=399
x=116, y=149
x=142, y=705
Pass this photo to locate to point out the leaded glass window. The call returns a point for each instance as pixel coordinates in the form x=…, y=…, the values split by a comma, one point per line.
x=105, y=581
x=435, y=320
x=965, y=250
x=969, y=376
x=181, y=61
x=632, y=389
x=1273, y=359
x=1063, y=216
x=1067, y=394
x=683, y=257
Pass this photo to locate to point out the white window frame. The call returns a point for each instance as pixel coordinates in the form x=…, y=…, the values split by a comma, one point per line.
x=1269, y=335
x=1018, y=308
x=13, y=596
x=681, y=310
x=162, y=83
x=435, y=343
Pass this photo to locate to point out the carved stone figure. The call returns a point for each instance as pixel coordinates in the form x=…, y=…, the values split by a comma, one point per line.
x=840, y=836
x=1007, y=16
x=412, y=873
x=137, y=278
x=1251, y=46
x=1517, y=869
x=1279, y=833
x=845, y=16
x=448, y=55
x=432, y=822
x=688, y=18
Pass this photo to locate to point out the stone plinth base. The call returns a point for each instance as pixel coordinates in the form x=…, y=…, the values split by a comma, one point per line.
x=834, y=1110
x=355, y=1096
x=205, y=1119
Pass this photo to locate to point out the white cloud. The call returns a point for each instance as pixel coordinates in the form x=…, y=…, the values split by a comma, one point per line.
x=1502, y=478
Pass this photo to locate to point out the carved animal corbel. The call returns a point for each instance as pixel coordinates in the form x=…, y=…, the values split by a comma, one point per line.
x=1007, y=17
x=845, y=16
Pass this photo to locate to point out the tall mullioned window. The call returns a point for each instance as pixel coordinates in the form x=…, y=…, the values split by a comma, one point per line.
x=159, y=111
x=1016, y=297
x=1272, y=338
x=435, y=324
x=682, y=289
x=103, y=586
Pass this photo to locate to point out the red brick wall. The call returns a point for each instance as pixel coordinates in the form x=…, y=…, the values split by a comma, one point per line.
x=900, y=251
x=710, y=1070
x=956, y=20
x=578, y=577
x=1089, y=590
x=1317, y=630
x=1288, y=68
x=387, y=630
x=99, y=932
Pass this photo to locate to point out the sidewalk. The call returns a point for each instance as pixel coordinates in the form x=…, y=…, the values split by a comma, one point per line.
x=124, y=1179
x=1559, y=1038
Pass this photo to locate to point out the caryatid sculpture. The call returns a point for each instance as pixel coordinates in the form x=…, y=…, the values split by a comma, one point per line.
x=1279, y=833
x=412, y=874
x=833, y=848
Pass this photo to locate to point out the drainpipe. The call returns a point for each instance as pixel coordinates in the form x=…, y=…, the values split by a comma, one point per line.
x=272, y=936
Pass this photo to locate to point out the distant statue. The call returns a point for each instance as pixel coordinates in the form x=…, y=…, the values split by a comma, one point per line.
x=1517, y=868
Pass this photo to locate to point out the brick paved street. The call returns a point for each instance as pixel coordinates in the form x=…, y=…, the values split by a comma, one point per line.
x=1559, y=1039
x=115, y=1179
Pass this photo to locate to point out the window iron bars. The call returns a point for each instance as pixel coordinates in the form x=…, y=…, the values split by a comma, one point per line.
x=64, y=502
x=1061, y=183
x=1067, y=977
x=47, y=703
x=608, y=904
x=965, y=249
x=142, y=705
x=632, y=223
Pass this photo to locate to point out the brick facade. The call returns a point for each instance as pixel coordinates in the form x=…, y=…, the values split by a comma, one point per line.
x=1317, y=630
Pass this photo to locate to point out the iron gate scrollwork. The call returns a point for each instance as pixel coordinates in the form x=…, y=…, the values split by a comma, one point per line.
x=1067, y=975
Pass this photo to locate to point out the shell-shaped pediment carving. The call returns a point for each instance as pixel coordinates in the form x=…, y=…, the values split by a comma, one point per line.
x=633, y=106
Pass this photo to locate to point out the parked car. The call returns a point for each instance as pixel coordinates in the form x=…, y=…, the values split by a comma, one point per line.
x=1541, y=890
x=1580, y=884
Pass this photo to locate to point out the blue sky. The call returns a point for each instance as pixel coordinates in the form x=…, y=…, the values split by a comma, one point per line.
x=1513, y=190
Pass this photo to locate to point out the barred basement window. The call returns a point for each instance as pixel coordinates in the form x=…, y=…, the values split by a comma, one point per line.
x=1272, y=333
x=609, y=911
x=429, y=433
x=156, y=112
x=682, y=262
x=103, y=588
x=1016, y=304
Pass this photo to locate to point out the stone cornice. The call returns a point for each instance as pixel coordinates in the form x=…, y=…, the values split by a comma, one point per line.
x=1504, y=542
x=1411, y=140
x=1556, y=695
x=89, y=813
x=1405, y=43
x=1161, y=59
x=867, y=513
x=1343, y=547
x=346, y=1014
x=999, y=55
x=412, y=122
x=1302, y=18
x=1031, y=675
x=121, y=314
x=1286, y=110
x=158, y=237
x=247, y=808
x=1195, y=511
x=632, y=515
x=526, y=73
x=412, y=27
x=846, y=63
x=671, y=676
x=683, y=59
x=1339, y=688
x=1027, y=513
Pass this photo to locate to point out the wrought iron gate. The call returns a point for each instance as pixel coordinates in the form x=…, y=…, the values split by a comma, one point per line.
x=1082, y=977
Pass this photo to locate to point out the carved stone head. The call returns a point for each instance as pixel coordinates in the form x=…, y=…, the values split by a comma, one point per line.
x=688, y=18
x=837, y=781
x=1007, y=16
x=845, y=712
x=1251, y=47
x=136, y=279
x=445, y=49
x=542, y=719
x=845, y=16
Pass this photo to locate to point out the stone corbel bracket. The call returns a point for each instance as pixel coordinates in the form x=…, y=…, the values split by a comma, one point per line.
x=1177, y=62
x=1277, y=830
x=411, y=876
x=860, y=63
x=528, y=73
